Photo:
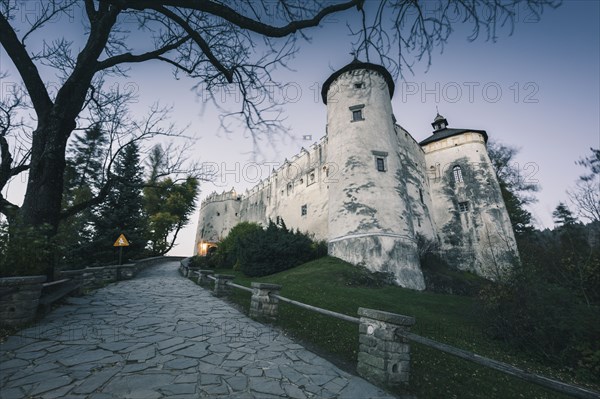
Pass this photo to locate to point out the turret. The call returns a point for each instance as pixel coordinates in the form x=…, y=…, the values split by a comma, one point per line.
x=368, y=202
x=468, y=208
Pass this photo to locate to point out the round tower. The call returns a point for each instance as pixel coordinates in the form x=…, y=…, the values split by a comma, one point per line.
x=369, y=218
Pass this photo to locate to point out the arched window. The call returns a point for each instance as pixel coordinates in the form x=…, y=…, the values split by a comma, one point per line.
x=457, y=172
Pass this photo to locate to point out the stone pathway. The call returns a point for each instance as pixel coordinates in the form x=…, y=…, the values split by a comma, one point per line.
x=161, y=336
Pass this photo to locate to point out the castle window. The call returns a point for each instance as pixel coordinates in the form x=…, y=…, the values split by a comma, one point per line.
x=301, y=181
x=357, y=114
x=311, y=178
x=358, y=85
x=303, y=210
x=380, y=160
x=421, y=196
x=457, y=172
x=463, y=206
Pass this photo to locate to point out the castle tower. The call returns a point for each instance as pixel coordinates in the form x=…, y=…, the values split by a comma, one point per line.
x=368, y=201
x=473, y=224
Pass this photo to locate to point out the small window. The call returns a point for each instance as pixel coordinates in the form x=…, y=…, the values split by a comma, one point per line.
x=421, y=196
x=358, y=85
x=303, y=210
x=463, y=206
x=357, y=114
x=301, y=181
x=457, y=172
x=380, y=160
x=312, y=177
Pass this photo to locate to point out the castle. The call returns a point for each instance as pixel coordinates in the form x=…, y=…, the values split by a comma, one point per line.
x=373, y=192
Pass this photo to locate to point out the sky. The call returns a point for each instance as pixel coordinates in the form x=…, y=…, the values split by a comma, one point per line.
x=537, y=89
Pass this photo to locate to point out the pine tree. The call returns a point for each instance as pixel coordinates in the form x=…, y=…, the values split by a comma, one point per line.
x=82, y=181
x=122, y=211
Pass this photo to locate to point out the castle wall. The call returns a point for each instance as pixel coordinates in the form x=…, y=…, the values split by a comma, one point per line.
x=477, y=236
x=218, y=214
x=297, y=192
x=412, y=159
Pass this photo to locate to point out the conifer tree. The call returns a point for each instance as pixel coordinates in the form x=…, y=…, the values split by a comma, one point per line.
x=122, y=211
x=82, y=181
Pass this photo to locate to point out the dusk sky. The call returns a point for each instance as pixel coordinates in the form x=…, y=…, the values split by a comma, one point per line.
x=537, y=89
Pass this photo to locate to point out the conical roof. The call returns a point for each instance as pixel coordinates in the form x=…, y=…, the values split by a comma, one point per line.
x=354, y=65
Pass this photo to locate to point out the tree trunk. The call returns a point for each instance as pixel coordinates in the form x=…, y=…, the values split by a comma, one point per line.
x=42, y=203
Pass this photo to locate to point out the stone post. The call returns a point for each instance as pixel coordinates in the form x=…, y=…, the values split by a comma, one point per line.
x=221, y=287
x=264, y=305
x=383, y=356
x=203, y=276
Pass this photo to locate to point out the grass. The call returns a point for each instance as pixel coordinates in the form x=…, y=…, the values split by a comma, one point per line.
x=450, y=319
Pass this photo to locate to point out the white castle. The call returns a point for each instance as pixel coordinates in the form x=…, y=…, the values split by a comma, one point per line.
x=369, y=189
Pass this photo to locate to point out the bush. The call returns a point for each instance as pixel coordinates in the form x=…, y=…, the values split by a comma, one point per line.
x=274, y=250
x=227, y=253
x=544, y=319
x=260, y=252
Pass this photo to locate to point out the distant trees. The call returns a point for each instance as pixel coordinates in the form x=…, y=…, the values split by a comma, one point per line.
x=586, y=194
x=549, y=305
x=517, y=192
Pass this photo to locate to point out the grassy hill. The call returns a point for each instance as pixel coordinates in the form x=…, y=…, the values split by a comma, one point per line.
x=335, y=285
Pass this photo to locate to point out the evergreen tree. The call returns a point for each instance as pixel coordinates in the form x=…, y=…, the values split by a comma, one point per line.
x=82, y=181
x=122, y=211
x=563, y=216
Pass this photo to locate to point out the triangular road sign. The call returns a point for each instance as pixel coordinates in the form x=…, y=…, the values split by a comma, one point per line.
x=121, y=241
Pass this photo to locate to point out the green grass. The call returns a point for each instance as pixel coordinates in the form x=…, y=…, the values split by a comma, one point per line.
x=449, y=319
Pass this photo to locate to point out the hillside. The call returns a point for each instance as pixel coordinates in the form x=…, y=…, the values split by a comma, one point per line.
x=335, y=285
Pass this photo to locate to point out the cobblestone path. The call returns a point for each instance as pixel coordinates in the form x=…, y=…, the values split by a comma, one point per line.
x=161, y=336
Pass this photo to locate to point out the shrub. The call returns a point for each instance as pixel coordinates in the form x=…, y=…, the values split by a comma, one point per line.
x=273, y=250
x=227, y=253
x=543, y=319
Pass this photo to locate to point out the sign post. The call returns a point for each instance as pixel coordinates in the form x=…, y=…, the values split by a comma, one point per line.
x=121, y=242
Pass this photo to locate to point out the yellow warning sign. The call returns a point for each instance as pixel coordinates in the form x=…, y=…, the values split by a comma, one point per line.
x=121, y=242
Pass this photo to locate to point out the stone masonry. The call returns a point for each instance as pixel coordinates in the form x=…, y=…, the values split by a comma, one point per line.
x=383, y=356
x=264, y=304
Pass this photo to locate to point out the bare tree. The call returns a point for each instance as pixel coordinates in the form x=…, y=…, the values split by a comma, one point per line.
x=586, y=194
x=220, y=44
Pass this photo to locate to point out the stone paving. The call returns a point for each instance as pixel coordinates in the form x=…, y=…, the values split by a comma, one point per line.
x=161, y=336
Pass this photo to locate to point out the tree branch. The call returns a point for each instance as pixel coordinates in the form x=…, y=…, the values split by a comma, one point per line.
x=230, y=15
x=27, y=69
x=131, y=58
x=204, y=46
